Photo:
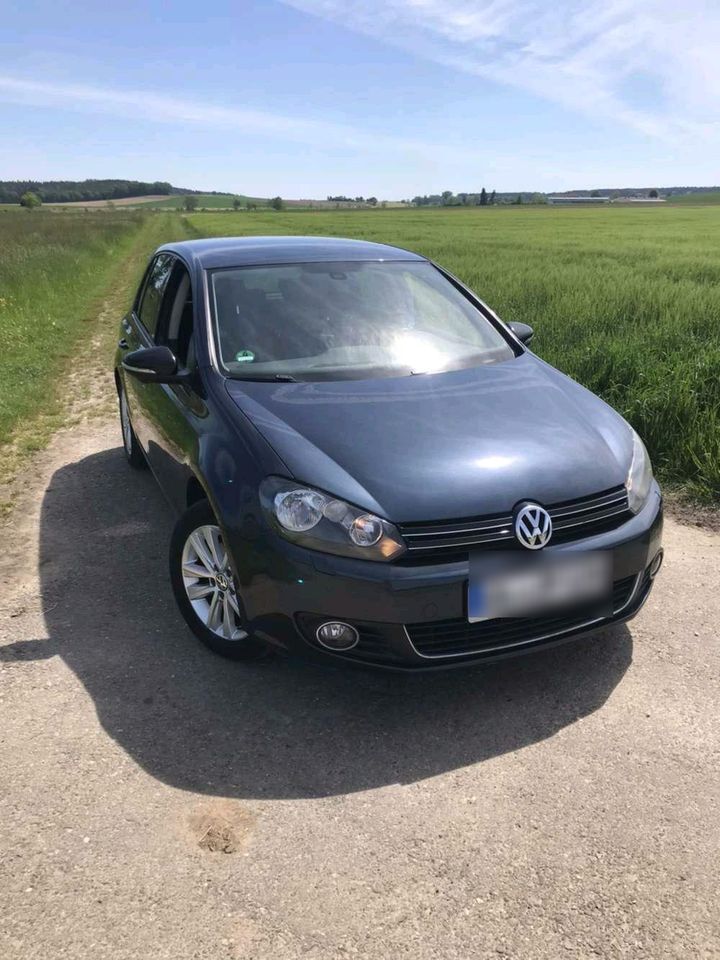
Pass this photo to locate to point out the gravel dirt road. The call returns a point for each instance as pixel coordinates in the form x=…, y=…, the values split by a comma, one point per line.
x=158, y=802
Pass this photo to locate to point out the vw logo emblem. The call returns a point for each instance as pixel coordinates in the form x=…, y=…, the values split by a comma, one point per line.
x=533, y=526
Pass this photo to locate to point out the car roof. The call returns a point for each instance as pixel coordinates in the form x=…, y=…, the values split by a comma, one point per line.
x=247, y=251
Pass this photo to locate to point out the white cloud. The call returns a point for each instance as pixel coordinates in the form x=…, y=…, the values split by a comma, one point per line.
x=653, y=65
x=143, y=105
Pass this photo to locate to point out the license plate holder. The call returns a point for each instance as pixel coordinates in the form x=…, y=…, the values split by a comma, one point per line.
x=539, y=585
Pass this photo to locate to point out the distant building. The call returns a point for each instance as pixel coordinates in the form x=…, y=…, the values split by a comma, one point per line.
x=639, y=200
x=569, y=201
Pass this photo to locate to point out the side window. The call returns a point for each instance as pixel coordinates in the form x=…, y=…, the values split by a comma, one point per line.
x=175, y=328
x=149, y=308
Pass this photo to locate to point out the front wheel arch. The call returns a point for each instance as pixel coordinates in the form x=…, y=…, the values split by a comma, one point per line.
x=195, y=492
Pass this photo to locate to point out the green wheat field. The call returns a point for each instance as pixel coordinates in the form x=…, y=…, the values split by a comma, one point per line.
x=624, y=300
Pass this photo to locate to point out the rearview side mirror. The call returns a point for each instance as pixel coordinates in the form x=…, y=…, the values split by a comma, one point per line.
x=523, y=331
x=153, y=365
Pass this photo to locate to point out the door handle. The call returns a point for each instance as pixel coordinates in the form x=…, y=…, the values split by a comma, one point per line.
x=123, y=344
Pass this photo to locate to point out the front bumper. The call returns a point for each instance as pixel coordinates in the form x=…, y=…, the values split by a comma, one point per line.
x=415, y=617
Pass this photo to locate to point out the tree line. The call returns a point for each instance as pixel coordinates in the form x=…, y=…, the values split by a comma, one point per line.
x=449, y=199
x=343, y=199
x=67, y=191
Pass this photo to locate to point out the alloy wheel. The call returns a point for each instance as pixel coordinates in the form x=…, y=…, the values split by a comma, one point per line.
x=209, y=583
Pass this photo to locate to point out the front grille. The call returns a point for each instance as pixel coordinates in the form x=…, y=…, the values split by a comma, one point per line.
x=443, y=541
x=454, y=638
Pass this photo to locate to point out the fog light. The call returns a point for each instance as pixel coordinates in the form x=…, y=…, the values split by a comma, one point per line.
x=656, y=564
x=336, y=635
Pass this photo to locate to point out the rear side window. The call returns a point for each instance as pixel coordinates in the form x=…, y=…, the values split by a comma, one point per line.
x=157, y=278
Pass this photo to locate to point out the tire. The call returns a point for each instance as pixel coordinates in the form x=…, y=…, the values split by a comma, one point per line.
x=205, y=587
x=133, y=451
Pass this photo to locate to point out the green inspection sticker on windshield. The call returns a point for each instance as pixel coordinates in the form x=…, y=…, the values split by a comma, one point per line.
x=244, y=356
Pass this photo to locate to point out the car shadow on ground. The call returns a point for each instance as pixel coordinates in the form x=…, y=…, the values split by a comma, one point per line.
x=282, y=728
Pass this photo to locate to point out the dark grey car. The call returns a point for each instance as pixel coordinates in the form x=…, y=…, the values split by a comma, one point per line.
x=369, y=464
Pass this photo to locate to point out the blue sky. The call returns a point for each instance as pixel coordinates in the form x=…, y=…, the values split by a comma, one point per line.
x=385, y=97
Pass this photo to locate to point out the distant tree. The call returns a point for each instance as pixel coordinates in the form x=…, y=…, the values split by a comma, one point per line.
x=251, y=205
x=237, y=203
x=447, y=197
x=492, y=197
x=595, y=193
x=518, y=199
x=653, y=194
x=30, y=200
x=190, y=203
x=483, y=197
x=277, y=203
x=372, y=201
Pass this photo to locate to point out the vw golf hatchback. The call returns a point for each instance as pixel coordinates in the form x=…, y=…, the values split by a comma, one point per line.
x=369, y=465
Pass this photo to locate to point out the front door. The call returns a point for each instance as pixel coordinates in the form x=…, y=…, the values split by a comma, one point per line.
x=139, y=329
x=172, y=412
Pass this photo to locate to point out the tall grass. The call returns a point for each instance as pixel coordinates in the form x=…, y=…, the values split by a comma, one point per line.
x=53, y=268
x=625, y=300
x=695, y=199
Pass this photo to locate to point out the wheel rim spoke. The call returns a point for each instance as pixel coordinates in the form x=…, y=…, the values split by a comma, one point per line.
x=200, y=547
x=228, y=625
x=214, y=612
x=212, y=539
x=196, y=591
x=198, y=570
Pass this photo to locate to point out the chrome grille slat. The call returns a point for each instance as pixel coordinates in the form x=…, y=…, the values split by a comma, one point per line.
x=603, y=515
x=486, y=527
x=572, y=520
x=591, y=505
x=460, y=543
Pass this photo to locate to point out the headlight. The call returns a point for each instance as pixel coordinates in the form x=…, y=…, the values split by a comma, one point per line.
x=299, y=510
x=639, y=476
x=321, y=522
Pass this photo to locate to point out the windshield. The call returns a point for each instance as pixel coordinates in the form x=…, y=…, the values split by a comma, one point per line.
x=355, y=320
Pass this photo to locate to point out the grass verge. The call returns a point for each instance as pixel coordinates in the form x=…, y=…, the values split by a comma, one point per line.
x=59, y=325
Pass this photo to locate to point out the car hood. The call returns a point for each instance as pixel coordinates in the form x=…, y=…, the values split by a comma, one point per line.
x=442, y=446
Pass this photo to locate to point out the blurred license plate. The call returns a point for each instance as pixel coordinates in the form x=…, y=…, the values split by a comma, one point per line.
x=521, y=588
